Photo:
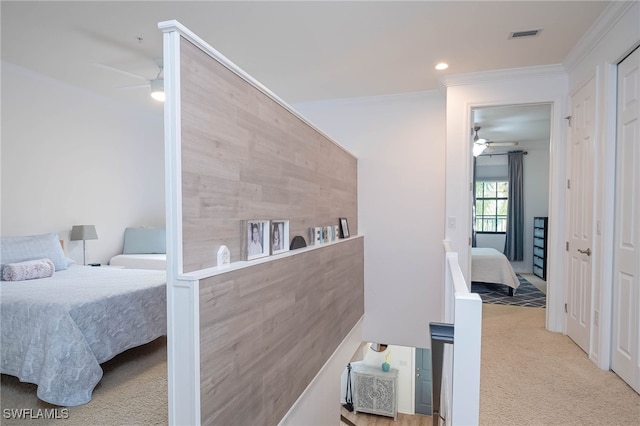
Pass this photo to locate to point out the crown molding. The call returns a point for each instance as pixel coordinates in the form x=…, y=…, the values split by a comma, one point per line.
x=542, y=71
x=603, y=24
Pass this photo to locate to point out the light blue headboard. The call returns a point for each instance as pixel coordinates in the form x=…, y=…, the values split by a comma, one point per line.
x=141, y=240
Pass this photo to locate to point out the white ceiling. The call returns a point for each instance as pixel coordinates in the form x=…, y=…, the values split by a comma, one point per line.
x=302, y=51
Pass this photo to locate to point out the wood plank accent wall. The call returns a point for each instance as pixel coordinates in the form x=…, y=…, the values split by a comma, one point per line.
x=246, y=157
x=266, y=331
x=268, y=328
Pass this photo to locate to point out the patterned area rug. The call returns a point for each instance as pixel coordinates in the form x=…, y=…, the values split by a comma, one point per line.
x=526, y=295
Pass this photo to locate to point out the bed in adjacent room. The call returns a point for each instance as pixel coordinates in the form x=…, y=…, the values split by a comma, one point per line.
x=58, y=327
x=144, y=248
x=488, y=265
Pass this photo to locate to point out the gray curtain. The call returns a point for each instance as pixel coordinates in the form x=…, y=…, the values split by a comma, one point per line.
x=514, y=241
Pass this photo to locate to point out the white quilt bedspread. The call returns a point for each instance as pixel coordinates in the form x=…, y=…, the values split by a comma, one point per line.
x=488, y=265
x=56, y=331
x=140, y=261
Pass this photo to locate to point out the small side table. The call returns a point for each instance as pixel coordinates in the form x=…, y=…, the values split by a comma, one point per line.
x=375, y=391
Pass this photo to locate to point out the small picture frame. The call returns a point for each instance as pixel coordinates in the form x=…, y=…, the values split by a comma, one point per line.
x=344, y=228
x=279, y=236
x=318, y=235
x=256, y=238
x=333, y=232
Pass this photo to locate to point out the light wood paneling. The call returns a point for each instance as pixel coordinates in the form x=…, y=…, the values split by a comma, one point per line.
x=266, y=331
x=244, y=157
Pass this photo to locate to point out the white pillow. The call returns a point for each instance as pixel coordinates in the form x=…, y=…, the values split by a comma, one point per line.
x=32, y=247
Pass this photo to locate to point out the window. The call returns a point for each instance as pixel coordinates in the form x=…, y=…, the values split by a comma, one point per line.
x=491, y=206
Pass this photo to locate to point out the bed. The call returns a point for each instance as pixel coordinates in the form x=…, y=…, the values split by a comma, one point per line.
x=140, y=261
x=57, y=330
x=144, y=248
x=488, y=265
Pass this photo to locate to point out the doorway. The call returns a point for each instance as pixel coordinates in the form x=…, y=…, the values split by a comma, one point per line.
x=505, y=128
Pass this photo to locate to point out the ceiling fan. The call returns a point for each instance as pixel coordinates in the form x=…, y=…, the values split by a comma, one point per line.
x=155, y=84
x=480, y=144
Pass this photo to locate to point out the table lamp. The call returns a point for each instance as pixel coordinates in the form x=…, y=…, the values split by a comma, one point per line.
x=83, y=232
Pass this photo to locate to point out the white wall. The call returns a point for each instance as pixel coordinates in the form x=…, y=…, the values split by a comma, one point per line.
x=399, y=142
x=508, y=87
x=70, y=157
x=536, y=203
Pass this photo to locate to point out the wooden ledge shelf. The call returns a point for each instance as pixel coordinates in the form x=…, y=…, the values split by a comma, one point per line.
x=214, y=271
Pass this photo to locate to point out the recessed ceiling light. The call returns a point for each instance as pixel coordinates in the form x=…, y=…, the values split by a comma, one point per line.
x=442, y=66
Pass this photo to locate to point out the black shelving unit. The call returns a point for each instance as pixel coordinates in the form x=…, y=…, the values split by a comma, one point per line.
x=540, y=227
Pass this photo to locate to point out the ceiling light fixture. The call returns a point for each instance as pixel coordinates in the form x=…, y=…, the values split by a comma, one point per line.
x=479, y=144
x=442, y=66
x=157, y=89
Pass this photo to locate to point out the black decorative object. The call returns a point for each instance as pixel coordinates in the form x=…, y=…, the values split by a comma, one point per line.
x=348, y=398
x=298, y=242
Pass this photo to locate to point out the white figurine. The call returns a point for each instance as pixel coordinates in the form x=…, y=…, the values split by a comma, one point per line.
x=224, y=256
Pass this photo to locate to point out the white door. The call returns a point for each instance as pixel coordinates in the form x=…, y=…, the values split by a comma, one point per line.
x=580, y=187
x=625, y=357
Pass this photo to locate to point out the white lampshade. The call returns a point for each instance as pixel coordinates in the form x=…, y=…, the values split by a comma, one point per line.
x=157, y=89
x=479, y=147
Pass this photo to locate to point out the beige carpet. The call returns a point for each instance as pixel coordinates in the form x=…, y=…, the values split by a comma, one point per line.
x=531, y=376
x=133, y=391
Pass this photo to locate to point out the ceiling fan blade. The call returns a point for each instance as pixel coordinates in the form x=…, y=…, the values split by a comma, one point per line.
x=502, y=143
x=137, y=86
x=118, y=70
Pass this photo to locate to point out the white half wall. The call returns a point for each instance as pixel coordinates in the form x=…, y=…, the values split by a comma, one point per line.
x=70, y=157
x=399, y=141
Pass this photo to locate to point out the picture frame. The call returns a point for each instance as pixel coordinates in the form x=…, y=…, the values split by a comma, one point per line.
x=256, y=239
x=333, y=232
x=344, y=228
x=279, y=239
x=311, y=236
x=318, y=235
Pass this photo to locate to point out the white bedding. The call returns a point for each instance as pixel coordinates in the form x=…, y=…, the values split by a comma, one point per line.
x=57, y=331
x=140, y=261
x=488, y=265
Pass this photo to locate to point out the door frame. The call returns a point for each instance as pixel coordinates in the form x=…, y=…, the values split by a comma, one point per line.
x=555, y=320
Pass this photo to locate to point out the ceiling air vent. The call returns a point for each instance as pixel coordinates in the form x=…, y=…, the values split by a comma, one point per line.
x=526, y=33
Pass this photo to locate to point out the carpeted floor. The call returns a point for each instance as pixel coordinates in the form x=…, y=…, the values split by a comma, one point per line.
x=497, y=294
x=133, y=391
x=533, y=377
